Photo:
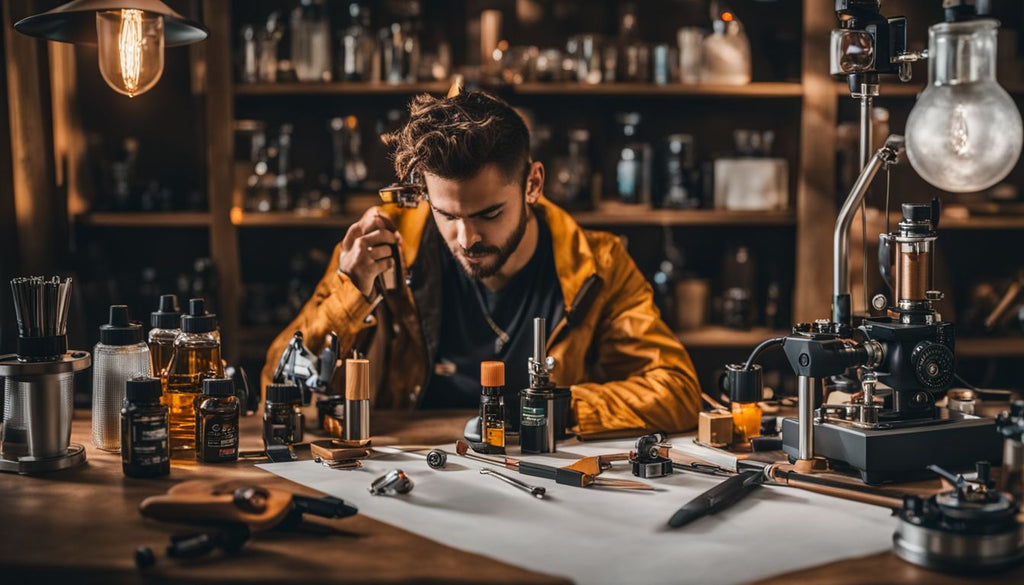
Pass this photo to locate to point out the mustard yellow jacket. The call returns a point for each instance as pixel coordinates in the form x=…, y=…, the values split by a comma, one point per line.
x=626, y=370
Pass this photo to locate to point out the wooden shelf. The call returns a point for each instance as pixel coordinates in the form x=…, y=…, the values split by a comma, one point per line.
x=886, y=89
x=990, y=347
x=277, y=219
x=622, y=215
x=982, y=222
x=716, y=336
x=757, y=89
x=146, y=219
x=339, y=88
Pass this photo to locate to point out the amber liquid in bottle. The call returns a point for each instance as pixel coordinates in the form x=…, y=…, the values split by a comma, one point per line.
x=196, y=357
x=161, y=348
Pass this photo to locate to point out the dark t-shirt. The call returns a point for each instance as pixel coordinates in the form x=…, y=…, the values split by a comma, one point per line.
x=466, y=337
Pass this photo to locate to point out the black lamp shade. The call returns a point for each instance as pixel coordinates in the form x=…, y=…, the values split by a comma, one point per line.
x=75, y=22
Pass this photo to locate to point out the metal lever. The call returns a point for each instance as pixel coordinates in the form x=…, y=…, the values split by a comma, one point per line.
x=536, y=491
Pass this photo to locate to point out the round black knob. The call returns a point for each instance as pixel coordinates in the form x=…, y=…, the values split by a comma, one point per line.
x=933, y=365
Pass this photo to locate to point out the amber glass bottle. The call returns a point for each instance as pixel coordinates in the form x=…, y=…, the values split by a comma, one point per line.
x=196, y=357
x=492, y=405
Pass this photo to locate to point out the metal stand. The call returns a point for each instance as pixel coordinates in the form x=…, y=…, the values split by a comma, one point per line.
x=32, y=465
x=901, y=451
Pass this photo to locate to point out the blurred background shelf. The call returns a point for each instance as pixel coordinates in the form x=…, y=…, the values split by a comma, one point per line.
x=990, y=347
x=982, y=222
x=146, y=219
x=338, y=88
x=714, y=336
x=762, y=89
x=275, y=219
x=683, y=217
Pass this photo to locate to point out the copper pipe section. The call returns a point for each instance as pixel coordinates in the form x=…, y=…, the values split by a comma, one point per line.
x=913, y=274
x=784, y=474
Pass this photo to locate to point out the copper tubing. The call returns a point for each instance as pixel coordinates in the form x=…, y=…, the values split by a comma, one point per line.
x=913, y=274
x=783, y=474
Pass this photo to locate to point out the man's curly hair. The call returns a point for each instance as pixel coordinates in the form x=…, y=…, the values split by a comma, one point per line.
x=455, y=137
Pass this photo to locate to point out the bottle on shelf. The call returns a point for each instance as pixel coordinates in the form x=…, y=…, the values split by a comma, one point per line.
x=356, y=45
x=284, y=200
x=120, y=355
x=725, y=52
x=268, y=40
x=196, y=357
x=311, y=41
x=633, y=168
x=571, y=174
x=678, y=177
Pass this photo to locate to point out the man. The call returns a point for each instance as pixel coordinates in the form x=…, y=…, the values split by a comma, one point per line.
x=485, y=257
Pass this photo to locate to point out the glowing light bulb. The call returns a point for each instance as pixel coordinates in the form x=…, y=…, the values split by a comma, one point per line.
x=964, y=133
x=131, y=49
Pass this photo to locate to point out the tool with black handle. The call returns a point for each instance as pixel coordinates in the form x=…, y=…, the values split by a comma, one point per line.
x=717, y=498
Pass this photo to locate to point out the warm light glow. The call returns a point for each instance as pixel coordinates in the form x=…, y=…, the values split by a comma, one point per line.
x=129, y=43
x=131, y=49
x=727, y=16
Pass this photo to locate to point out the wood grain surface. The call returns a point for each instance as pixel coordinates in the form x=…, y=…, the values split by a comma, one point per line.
x=82, y=526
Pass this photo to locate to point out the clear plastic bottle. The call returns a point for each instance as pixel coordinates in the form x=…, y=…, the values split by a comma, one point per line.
x=120, y=355
x=166, y=327
x=196, y=357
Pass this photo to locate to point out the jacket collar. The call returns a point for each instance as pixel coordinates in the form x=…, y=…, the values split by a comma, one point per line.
x=574, y=259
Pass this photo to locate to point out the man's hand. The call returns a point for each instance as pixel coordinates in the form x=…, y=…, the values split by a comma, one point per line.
x=366, y=249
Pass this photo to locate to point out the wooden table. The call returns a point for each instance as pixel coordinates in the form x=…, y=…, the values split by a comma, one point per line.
x=82, y=525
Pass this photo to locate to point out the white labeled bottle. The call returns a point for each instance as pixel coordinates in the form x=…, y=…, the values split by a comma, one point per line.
x=121, y=354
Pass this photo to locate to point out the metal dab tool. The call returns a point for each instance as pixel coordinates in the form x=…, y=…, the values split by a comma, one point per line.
x=536, y=491
x=583, y=473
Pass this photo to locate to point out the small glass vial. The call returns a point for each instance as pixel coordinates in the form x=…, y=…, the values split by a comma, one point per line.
x=120, y=355
x=166, y=327
x=282, y=415
x=145, y=450
x=492, y=405
x=217, y=421
x=744, y=393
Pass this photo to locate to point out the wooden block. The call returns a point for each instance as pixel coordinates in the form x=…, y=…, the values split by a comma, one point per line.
x=715, y=428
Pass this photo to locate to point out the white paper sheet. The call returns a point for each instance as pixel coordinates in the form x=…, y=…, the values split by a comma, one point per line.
x=608, y=536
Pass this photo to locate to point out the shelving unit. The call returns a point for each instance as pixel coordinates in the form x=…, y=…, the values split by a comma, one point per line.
x=814, y=100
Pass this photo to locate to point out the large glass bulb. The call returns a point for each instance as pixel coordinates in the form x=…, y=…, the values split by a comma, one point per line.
x=964, y=133
x=131, y=49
